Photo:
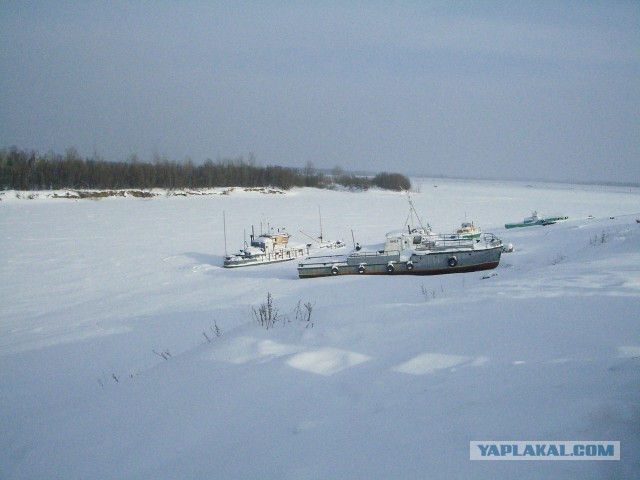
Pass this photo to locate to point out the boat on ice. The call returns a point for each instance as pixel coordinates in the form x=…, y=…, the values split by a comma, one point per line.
x=467, y=230
x=320, y=242
x=536, y=219
x=266, y=248
x=413, y=252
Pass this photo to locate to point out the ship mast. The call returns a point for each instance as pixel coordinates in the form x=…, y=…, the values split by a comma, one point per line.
x=412, y=211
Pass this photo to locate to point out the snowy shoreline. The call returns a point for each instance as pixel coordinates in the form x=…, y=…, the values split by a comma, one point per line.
x=97, y=194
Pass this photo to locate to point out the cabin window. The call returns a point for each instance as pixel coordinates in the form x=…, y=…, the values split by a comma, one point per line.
x=417, y=240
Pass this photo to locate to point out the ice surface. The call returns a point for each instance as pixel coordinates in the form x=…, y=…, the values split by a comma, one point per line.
x=127, y=351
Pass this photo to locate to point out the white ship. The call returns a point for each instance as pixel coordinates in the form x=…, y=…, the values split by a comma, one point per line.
x=266, y=248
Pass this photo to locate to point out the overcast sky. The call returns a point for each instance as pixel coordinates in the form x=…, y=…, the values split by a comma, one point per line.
x=460, y=88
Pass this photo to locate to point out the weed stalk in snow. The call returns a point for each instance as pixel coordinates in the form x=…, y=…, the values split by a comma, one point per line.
x=266, y=314
x=165, y=355
x=305, y=315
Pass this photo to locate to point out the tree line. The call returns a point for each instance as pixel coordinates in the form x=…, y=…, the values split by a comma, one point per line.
x=29, y=170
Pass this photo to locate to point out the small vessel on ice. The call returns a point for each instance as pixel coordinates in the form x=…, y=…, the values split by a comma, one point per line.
x=467, y=230
x=536, y=219
x=266, y=248
x=320, y=242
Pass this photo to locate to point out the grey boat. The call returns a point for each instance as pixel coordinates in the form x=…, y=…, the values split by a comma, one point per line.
x=410, y=252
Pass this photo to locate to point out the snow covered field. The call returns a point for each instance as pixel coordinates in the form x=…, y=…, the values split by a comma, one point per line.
x=111, y=368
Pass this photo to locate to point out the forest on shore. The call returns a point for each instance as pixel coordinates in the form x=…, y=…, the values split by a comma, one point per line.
x=30, y=170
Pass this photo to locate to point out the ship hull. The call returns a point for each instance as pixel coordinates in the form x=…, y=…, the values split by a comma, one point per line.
x=428, y=263
x=524, y=224
x=284, y=255
x=236, y=263
x=540, y=221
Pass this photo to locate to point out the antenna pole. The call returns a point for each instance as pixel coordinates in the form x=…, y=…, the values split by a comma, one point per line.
x=320, y=215
x=224, y=227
